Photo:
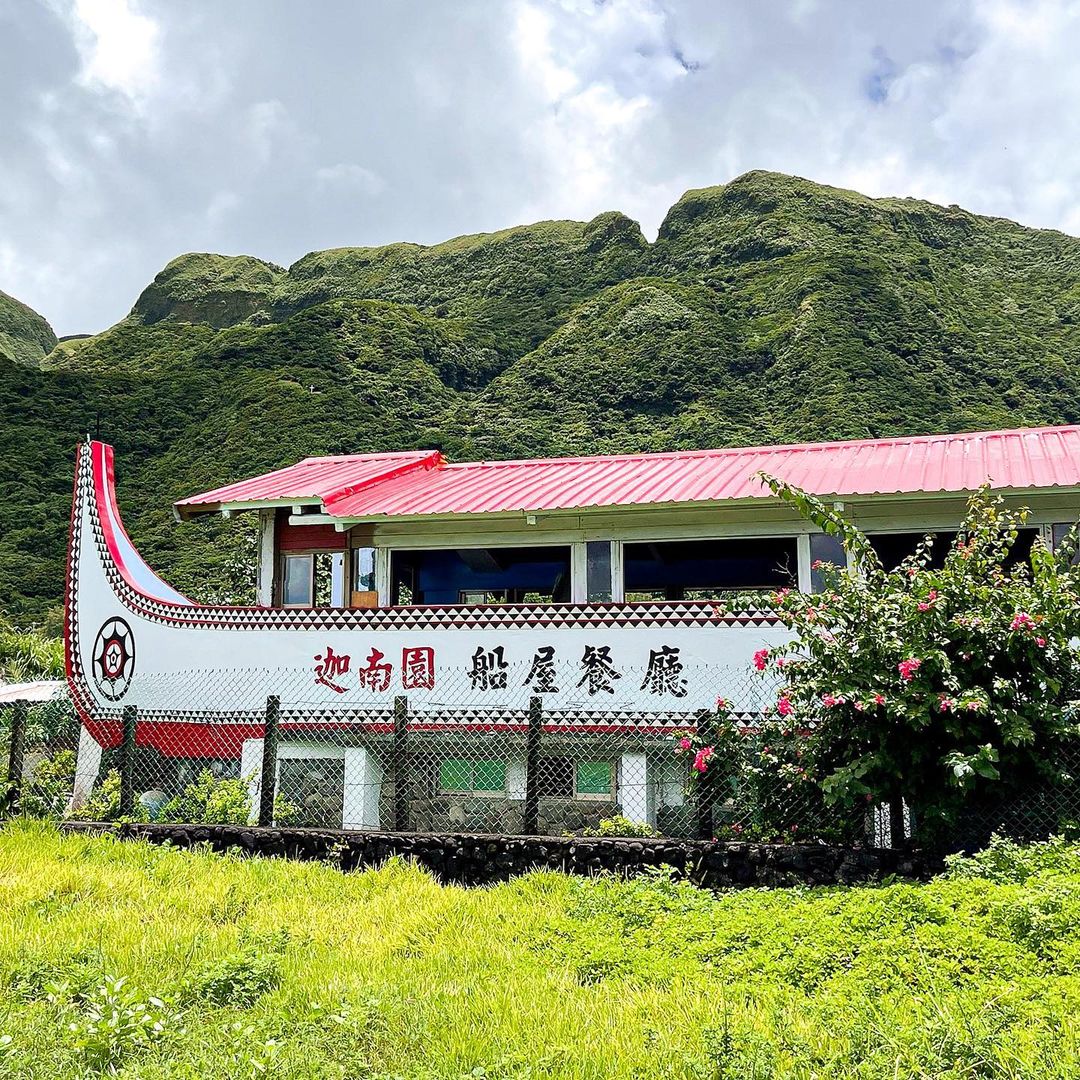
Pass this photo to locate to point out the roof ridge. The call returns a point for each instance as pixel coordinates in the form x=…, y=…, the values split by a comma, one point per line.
x=432, y=459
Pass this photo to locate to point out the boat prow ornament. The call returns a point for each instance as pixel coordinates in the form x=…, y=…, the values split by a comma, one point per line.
x=200, y=674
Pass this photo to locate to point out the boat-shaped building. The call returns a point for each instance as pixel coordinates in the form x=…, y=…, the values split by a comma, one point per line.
x=411, y=609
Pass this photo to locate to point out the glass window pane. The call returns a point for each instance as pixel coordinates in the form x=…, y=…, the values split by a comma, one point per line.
x=826, y=549
x=363, y=564
x=455, y=774
x=598, y=571
x=489, y=776
x=296, y=588
x=593, y=778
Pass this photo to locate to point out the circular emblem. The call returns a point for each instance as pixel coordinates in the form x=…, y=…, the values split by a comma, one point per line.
x=114, y=658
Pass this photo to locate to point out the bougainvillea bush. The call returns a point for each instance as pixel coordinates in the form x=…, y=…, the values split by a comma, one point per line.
x=762, y=783
x=951, y=687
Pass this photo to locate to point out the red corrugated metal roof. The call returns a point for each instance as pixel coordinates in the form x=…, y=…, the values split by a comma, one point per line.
x=407, y=485
x=326, y=479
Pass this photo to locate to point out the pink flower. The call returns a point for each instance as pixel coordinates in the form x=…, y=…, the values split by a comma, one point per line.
x=945, y=703
x=907, y=668
x=879, y=699
x=972, y=706
x=761, y=658
x=923, y=605
x=721, y=703
x=817, y=564
x=1041, y=642
x=829, y=700
x=701, y=759
x=685, y=743
x=860, y=706
x=784, y=706
x=1022, y=620
x=736, y=828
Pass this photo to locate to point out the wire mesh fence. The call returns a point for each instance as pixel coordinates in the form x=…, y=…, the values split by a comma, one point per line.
x=503, y=748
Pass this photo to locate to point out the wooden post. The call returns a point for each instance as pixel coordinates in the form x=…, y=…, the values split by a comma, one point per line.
x=706, y=782
x=16, y=756
x=399, y=763
x=127, y=761
x=268, y=782
x=530, y=818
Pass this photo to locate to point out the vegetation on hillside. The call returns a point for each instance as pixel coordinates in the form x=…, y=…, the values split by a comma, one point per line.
x=25, y=337
x=118, y=957
x=769, y=309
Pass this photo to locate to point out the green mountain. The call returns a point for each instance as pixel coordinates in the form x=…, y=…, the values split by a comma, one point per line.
x=769, y=309
x=25, y=337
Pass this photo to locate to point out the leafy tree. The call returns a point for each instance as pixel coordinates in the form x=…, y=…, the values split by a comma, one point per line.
x=951, y=688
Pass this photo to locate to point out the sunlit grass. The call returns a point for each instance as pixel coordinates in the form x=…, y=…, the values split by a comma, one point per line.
x=386, y=973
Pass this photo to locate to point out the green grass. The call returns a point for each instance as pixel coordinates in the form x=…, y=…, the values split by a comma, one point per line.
x=246, y=968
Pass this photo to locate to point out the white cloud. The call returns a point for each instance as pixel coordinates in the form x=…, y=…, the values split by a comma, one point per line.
x=135, y=130
x=118, y=46
x=350, y=176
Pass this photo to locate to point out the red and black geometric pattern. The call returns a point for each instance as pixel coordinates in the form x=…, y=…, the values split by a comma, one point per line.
x=113, y=660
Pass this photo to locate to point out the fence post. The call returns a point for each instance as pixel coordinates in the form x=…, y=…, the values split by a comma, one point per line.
x=400, y=764
x=16, y=757
x=706, y=782
x=530, y=818
x=268, y=781
x=127, y=761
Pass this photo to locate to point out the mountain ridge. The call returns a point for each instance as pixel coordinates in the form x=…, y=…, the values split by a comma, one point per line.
x=769, y=309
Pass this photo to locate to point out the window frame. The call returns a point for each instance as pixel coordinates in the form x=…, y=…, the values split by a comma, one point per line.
x=285, y=557
x=473, y=791
x=594, y=796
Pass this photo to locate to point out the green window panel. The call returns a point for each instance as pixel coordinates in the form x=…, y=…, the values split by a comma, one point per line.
x=459, y=775
x=455, y=774
x=489, y=776
x=593, y=778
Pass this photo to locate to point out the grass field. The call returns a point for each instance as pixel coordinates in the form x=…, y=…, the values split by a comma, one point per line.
x=154, y=963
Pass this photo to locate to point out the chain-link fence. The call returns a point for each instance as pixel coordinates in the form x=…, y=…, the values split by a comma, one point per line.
x=560, y=753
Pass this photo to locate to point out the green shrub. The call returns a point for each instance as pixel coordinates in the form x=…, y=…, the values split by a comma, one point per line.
x=946, y=686
x=103, y=803
x=239, y=979
x=47, y=793
x=620, y=826
x=210, y=801
x=1004, y=861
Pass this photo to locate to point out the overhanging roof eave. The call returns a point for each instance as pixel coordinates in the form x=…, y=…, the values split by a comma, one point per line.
x=766, y=498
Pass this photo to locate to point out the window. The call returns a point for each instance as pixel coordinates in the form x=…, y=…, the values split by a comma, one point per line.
x=594, y=780
x=480, y=575
x=465, y=776
x=363, y=569
x=298, y=585
x=707, y=569
x=363, y=592
x=893, y=548
x=556, y=778
x=313, y=579
x=598, y=571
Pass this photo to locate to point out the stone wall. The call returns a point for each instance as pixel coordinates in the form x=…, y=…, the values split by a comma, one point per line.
x=474, y=859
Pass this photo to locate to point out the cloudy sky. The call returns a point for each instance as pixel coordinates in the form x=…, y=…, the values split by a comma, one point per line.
x=134, y=130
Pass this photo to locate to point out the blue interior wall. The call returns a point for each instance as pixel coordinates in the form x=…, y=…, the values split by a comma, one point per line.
x=710, y=564
x=441, y=576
